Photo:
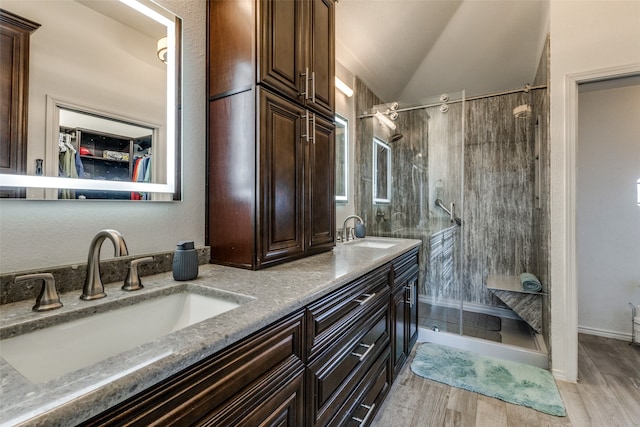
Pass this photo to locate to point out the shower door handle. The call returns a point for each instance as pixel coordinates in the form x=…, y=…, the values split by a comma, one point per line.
x=452, y=212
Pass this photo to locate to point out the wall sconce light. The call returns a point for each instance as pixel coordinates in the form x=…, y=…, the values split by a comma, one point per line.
x=162, y=49
x=342, y=87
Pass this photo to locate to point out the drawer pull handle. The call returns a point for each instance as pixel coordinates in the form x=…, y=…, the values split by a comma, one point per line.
x=362, y=356
x=368, y=297
x=364, y=420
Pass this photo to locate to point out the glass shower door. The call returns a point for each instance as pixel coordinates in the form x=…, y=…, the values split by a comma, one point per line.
x=415, y=154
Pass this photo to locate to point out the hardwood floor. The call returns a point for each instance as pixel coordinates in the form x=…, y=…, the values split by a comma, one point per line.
x=607, y=394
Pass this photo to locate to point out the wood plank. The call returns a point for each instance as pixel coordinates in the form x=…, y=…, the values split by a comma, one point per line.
x=521, y=416
x=491, y=412
x=433, y=408
x=606, y=395
x=576, y=411
x=625, y=392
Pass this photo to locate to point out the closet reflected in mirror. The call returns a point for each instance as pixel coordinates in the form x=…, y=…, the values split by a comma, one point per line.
x=98, y=147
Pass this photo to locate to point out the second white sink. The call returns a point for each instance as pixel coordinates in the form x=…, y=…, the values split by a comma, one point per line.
x=53, y=351
x=374, y=244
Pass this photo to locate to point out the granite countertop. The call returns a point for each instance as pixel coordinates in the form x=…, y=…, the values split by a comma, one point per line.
x=274, y=293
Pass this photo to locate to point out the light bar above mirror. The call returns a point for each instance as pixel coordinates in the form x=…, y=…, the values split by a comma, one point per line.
x=100, y=59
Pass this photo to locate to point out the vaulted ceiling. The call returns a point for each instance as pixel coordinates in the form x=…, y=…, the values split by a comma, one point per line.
x=408, y=50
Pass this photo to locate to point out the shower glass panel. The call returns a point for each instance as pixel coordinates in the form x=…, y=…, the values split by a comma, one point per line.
x=418, y=151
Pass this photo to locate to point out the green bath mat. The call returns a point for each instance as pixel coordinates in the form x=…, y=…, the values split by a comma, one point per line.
x=509, y=381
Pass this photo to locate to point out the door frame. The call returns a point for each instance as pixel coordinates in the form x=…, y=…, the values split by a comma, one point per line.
x=564, y=298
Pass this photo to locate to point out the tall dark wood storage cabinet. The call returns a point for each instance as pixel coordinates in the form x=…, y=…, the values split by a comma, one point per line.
x=270, y=180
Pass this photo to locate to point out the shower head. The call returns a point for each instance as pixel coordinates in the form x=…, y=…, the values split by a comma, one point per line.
x=395, y=137
x=522, y=111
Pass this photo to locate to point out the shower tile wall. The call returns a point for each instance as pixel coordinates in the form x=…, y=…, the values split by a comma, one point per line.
x=499, y=211
x=363, y=191
x=499, y=182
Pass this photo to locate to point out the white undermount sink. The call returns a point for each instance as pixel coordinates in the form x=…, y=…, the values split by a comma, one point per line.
x=378, y=244
x=48, y=353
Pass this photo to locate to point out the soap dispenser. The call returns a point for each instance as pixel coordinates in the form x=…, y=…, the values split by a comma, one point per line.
x=185, y=261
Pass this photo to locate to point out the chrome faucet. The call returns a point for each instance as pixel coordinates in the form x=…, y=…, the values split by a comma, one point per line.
x=93, y=287
x=345, y=233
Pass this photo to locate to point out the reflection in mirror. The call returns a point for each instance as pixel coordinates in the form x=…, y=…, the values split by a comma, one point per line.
x=381, y=171
x=102, y=55
x=97, y=147
x=342, y=160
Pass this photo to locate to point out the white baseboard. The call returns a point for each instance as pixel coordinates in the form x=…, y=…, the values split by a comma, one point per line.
x=623, y=336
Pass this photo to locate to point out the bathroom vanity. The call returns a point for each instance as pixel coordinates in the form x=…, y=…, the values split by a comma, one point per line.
x=316, y=341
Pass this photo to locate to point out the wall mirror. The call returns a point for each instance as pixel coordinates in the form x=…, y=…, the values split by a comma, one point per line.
x=381, y=171
x=114, y=66
x=342, y=159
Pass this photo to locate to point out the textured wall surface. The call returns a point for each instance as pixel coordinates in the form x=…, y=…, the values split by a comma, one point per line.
x=504, y=232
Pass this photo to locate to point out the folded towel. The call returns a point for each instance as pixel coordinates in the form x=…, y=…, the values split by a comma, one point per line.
x=530, y=282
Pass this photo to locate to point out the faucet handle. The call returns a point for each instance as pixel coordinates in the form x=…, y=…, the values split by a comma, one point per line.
x=132, y=282
x=48, y=298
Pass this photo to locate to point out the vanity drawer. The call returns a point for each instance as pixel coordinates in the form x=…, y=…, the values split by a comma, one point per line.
x=222, y=387
x=369, y=397
x=335, y=374
x=329, y=317
x=403, y=264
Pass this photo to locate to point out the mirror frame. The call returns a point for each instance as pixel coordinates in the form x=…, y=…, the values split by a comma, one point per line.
x=377, y=143
x=173, y=149
x=344, y=124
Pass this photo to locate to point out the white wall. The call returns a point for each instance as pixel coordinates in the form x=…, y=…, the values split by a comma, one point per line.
x=585, y=36
x=345, y=106
x=608, y=217
x=37, y=234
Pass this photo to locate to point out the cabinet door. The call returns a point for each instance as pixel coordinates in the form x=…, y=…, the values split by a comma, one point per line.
x=280, y=228
x=320, y=184
x=321, y=55
x=282, y=50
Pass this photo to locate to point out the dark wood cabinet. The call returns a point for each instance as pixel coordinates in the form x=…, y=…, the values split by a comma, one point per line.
x=270, y=193
x=258, y=381
x=328, y=364
x=275, y=201
x=15, y=32
x=404, y=308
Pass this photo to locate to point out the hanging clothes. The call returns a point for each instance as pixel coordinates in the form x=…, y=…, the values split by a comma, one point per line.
x=67, y=164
